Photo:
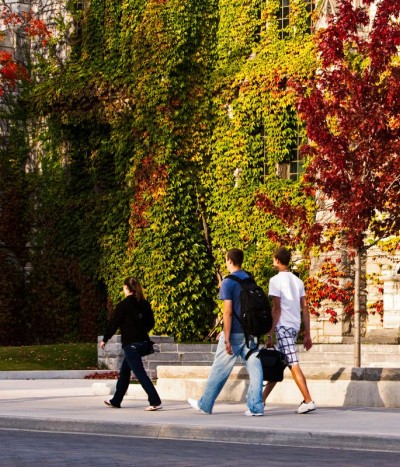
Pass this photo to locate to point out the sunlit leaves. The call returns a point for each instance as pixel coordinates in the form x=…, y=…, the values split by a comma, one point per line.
x=351, y=114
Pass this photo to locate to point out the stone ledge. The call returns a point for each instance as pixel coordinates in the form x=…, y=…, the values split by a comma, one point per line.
x=342, y=388
x=195, y=372
x=365, y=387
x=239, y=372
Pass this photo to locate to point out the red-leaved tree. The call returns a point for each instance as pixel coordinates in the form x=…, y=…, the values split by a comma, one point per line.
x=351, y=109
x=25, y=24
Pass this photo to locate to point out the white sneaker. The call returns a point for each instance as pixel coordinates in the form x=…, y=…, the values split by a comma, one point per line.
x=252, y=414
x=195, y=405
x=306, y=407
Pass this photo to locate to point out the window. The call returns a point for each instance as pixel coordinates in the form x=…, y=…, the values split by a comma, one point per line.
x=295, y=168
x=283, y=16
x=310, y=8
x=292, y=167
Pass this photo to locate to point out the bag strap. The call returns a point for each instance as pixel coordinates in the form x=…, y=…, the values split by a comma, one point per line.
x=257, y=350
x=251, y=351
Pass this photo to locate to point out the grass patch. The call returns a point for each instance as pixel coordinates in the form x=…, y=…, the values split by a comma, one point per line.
x=49, y=357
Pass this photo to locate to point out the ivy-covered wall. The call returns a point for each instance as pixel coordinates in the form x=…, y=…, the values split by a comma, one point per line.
x=255, y=123
x=15, y=222
x=153, y=138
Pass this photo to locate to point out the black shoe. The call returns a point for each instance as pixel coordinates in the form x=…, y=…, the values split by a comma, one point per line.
x=110, y=404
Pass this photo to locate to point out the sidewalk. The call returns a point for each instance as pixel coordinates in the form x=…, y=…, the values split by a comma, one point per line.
x=69, y=405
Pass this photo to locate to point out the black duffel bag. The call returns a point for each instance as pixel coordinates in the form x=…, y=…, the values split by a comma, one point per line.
x=273, y=363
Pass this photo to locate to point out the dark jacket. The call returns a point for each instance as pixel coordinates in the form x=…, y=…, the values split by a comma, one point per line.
x=125, y=318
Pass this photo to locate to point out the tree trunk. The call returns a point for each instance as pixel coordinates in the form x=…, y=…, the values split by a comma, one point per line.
x=357, y=292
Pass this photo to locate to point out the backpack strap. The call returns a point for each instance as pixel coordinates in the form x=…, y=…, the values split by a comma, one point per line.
x=235, y=278
x=239, y=281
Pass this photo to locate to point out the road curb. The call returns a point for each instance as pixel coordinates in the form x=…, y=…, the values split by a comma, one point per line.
x=212, y=434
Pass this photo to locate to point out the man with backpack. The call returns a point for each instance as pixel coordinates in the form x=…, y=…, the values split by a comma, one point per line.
x=288, y=304
x=232, y=343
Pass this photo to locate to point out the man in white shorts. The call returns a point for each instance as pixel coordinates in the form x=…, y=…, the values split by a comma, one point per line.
x=288, y=304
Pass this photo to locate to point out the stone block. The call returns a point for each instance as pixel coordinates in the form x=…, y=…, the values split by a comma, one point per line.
x=391, y=301
x=163, y=357
x=316, y=325
x=115, y=339
x=197, y=357
x=154, y=365
x=331, y=329
x=104, y=388
x=335, y=339
x=162, y=339
x=194, y=348
x=373, y=349
x=168, y=347
x=111, y=348
x=113, y=363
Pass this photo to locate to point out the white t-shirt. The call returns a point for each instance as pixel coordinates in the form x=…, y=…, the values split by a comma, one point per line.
x=289, y=288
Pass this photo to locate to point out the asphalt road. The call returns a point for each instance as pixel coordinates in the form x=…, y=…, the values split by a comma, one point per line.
x=22, y=448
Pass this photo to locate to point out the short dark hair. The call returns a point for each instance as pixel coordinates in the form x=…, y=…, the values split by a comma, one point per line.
x=236, y=256
x=282, y=255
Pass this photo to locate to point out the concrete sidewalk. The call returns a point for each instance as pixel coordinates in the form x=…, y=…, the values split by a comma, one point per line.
x=70, y=405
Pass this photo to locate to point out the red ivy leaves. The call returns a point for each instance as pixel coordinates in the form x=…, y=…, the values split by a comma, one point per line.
x=325, y=290
x=12, y=72
x=32, y=25
x=341, y=27
x=37, y=28
x=150, y=181
x=351, y=110
x=10, y=18
x=296, y=220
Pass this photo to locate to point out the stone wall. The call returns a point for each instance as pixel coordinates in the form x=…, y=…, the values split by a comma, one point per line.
x=321, y=356
x=167, y=352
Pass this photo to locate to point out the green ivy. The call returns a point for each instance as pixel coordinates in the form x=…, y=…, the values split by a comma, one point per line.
x=153, y=138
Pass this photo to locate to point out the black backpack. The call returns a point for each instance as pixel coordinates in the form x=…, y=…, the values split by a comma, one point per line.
x=255, y=315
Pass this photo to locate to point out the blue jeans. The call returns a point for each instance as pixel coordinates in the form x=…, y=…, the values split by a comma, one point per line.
x=222, y=368
x=133, y=362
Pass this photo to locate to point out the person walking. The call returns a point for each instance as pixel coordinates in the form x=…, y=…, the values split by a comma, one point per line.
x=130, y=317
x=232, y=344
x=288, y=304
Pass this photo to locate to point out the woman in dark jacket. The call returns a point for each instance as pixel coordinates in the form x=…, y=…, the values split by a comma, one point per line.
x=129, y=317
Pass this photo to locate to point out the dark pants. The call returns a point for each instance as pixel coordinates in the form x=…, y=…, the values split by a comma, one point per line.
x=133, y=362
